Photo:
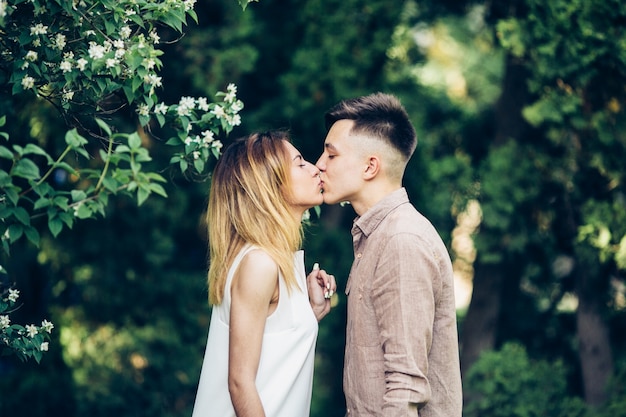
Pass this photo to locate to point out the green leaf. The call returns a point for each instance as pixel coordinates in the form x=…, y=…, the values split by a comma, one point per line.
x=12, y=194
x=15, y=232
x=5, y=153
x=5, y=178
x=75, y=140
x=55, y=225
x=67, y=218
x=31, y=148
x=158, y=189
x=78, y=195
x=198, y=164
x=41, y=203
x=26, y=168
x=32, y=234
x=110, y=184
x=103, y=126
x=21, y=215
x=142, y=195
x=134, y=141
x=84, y=211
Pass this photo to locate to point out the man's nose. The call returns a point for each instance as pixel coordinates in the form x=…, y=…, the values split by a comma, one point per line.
x=320, y=164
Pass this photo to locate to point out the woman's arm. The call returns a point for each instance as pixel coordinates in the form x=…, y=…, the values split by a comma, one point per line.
x=254, y=291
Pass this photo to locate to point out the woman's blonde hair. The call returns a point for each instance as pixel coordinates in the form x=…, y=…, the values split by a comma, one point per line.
x=249, y=204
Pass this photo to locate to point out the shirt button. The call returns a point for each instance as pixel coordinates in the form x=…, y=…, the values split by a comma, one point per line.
x=358, y=255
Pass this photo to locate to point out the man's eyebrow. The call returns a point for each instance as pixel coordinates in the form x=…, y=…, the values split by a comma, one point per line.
x=330, y=146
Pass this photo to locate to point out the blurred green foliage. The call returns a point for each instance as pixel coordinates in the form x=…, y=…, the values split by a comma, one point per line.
x=128, y=291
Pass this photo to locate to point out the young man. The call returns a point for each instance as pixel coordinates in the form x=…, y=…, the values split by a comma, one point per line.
x=402, y=356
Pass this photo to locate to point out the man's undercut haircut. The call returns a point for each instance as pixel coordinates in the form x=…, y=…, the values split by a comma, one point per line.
x=379, y=115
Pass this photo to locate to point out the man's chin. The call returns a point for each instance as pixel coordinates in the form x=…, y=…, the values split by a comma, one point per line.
x=328, y=199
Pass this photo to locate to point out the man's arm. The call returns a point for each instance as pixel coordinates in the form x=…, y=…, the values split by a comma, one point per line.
x=404, y=301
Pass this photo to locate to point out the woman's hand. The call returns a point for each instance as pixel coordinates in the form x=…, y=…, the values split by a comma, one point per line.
x=321, y=287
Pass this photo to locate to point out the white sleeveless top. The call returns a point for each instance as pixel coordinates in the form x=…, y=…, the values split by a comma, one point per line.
x=285, y=375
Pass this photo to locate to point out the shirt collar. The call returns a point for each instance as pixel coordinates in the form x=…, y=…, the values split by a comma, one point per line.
x=370, y=220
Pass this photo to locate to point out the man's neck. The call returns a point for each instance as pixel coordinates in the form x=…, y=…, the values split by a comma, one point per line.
x=372, y=194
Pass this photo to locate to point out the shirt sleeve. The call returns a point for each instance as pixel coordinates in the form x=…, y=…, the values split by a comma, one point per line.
x=403, y=295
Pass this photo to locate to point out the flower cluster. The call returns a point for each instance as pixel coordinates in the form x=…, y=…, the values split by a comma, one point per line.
x=200, y=123
x=68, y=46
x=26, y=342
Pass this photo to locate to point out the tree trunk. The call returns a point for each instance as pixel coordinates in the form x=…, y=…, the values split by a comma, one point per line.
x=480, y=326
x=594, y=352
x=594, y=344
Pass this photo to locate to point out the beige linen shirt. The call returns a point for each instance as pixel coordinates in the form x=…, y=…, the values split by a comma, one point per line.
x=402, y=356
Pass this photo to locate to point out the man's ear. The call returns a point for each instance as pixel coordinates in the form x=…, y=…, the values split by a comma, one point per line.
x=372, y=169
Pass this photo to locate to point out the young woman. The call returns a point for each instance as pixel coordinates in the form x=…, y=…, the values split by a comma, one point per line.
x=261, y=345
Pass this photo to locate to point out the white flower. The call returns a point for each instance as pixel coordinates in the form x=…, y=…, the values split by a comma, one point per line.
x=182, y=111
x=189, y=4
x=188, y=141
x=31, y=56
x=5, y=322
x=217, y=145
x=118, y=44
x=143, y=110
x=161, y=108
x=38, y=29
x=25, y=65
x=96, y=51
x=44, y=347
x=28, y=82
x=196, y=154
x=90, y=32
x=3, y=8
x=218, y=111
x=68, y=55
x=231, y=93
x=203, y=104
x=66, y=66
x=47, y=326
x=188, y=102
x=119, y=53
x=68, y=95
x=31, y=329
x=207, y=136
x=155, y=37
x=236, y=106
x=81, y=64
x=149, y=63
x=125, y=32
x=152, y=79
x=130, y=12
x=236, y=121
x=60, y=41
x=111, y=62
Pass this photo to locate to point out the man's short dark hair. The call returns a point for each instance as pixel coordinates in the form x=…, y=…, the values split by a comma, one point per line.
x=380, y=115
